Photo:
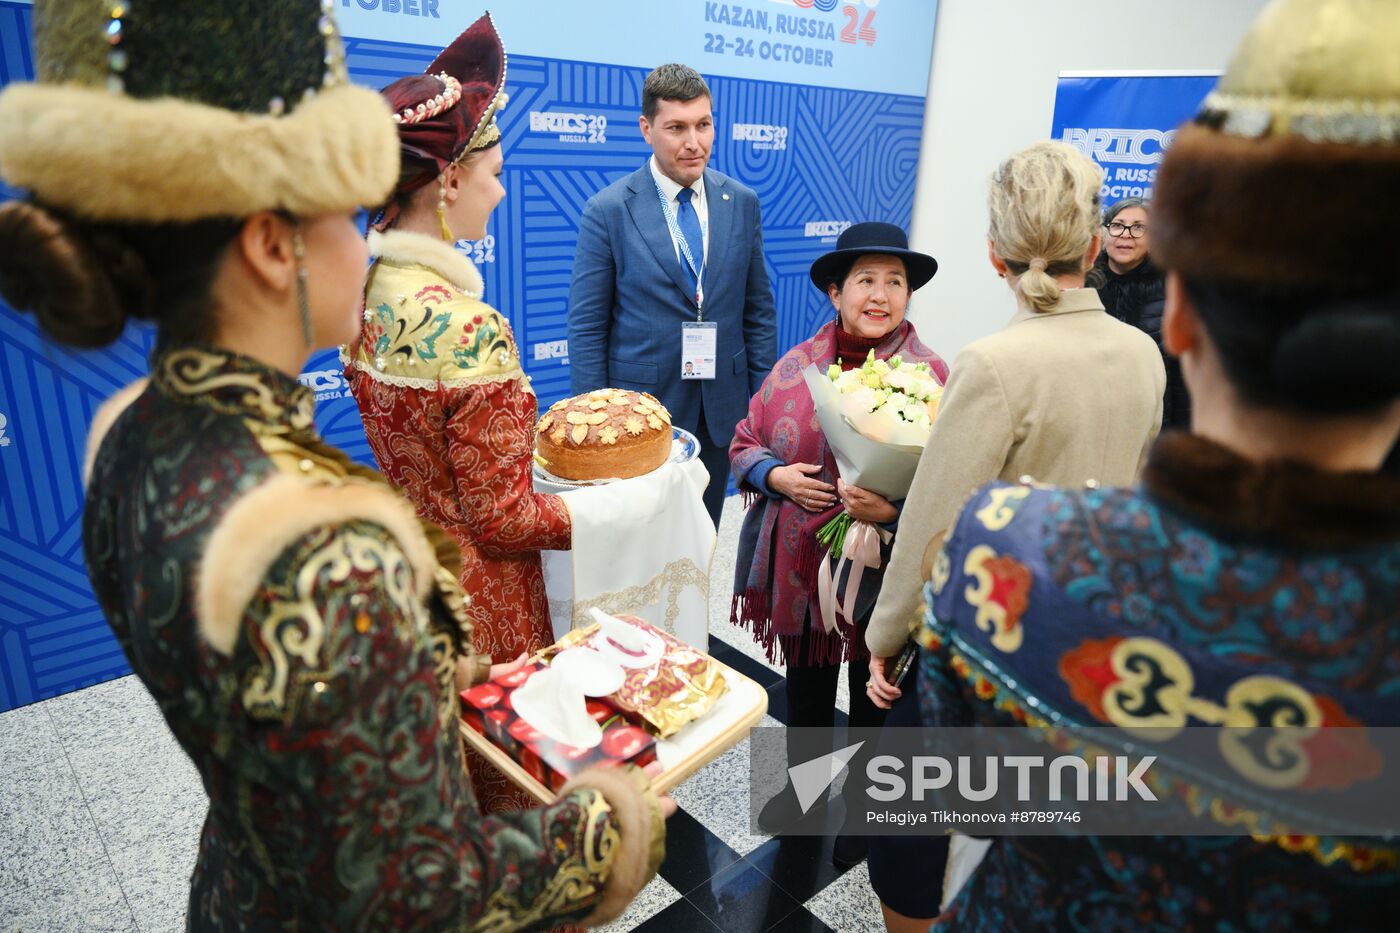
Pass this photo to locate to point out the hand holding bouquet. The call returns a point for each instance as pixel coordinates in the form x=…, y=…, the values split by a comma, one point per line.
x=876, y=420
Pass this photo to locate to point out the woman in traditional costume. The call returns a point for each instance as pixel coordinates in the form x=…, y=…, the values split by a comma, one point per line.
x=300, y=628
x=1252, y=578
x=448, y=411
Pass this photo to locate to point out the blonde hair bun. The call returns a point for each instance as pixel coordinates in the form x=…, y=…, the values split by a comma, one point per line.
x=1044, y=207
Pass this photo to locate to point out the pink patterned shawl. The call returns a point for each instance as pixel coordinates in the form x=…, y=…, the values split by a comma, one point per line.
x=775, y=579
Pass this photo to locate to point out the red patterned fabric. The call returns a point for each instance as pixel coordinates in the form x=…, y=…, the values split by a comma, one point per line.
x=463, y=456
x=460, y=444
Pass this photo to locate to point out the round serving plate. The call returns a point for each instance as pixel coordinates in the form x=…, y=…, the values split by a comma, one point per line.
x=684, y=447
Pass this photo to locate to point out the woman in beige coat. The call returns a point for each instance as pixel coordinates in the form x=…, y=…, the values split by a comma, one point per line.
x=1064, y=394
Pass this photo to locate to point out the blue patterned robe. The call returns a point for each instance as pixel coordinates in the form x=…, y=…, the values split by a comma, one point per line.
x=1218, y=588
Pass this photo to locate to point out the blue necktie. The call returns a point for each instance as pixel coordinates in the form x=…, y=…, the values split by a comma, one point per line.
x=689, y=222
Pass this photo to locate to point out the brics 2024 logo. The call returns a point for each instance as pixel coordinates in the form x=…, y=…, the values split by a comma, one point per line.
x=326, y=383
x=762, y=135
x=591, y=128
x=826, y=230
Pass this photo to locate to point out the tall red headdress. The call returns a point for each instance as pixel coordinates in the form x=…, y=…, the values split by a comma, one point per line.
x=451, y=109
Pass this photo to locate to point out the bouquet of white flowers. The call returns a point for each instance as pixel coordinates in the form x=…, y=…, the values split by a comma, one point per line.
x=889, y=402
x=876, y=420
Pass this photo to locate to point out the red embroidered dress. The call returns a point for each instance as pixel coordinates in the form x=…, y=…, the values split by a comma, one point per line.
x=450, y=417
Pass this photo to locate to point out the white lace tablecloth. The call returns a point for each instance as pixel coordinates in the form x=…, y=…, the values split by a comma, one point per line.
x=641, y=547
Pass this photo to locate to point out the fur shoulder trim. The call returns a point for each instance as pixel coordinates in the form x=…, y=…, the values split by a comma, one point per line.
x=642, y=831
x=107, y=416
x=403, y=248
x=1276, y=501
x=171, y=160
x=263, y=522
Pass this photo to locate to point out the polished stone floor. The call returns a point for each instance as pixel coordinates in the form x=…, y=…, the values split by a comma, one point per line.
x=100, y=813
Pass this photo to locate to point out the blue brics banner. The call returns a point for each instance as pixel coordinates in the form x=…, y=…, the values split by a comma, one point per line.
x=1125, y=121
x=819, y=107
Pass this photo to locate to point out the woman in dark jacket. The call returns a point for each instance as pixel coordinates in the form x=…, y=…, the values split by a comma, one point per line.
x=1124, y=273
x=1132, y=290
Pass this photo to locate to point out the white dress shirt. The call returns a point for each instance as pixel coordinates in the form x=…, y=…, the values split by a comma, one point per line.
x=672, y=190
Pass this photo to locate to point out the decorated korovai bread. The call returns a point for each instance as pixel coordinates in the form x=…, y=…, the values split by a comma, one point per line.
x=604, y=434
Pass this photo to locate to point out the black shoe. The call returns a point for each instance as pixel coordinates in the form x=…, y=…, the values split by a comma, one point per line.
x=848, y=851
x=783, y=812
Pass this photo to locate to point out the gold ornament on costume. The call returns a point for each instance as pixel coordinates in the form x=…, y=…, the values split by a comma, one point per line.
x=1323, y=70
x=437, y=104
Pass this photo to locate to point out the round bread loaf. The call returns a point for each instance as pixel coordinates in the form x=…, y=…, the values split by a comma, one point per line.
x=604, y=434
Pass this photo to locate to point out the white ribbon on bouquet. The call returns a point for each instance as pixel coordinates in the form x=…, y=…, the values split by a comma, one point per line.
x=862, y=551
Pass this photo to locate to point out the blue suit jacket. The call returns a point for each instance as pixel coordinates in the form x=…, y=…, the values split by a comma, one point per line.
x=628, y=300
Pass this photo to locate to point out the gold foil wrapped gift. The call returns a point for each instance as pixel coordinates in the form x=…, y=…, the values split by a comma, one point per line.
x=678, y=685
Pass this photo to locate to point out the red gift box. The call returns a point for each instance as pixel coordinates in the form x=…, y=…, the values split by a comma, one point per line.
x=487, y=709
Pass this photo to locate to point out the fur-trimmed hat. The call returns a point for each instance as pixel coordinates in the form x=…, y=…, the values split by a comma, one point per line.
x=1288, y=173
x=184, y=110
x=451, y=108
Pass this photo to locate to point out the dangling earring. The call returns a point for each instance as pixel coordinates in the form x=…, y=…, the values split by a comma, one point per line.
x=445, y=230
x=303, y=293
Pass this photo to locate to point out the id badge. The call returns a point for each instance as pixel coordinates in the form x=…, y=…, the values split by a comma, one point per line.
x=699, y=340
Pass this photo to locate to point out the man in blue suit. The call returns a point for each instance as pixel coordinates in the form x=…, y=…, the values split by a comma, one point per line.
x=673, y=254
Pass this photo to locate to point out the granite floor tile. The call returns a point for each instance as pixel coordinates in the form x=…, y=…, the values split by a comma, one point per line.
x=718, y=796
x=124, y=699
x=160, y=817
x=680, y=917
x=46, y=829
x=761, y=674
x=89, y=900
x=800, y=920
x=741, y=899
x=133, y=763
x=693, y=853
x=139, y=784
x=156, y=881
x=652, y=900
x=800, y=865
x=120, y=747
x=119, y=714
x=777, y=703
x=28, y=737
x=722, y=585
x=849, y=903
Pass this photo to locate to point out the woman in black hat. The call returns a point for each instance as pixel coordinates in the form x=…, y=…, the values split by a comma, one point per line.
x=787, y=474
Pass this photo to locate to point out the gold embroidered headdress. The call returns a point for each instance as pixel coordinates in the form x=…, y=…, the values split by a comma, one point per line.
x=183, y=110
x=1279, y=177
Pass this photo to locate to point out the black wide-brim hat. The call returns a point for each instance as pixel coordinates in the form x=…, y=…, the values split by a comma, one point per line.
x=869, y=238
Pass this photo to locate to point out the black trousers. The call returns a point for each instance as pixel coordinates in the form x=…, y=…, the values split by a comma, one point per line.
x=907, y=871
x=811, y=701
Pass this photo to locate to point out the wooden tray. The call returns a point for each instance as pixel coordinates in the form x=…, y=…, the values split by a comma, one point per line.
x=733, y=733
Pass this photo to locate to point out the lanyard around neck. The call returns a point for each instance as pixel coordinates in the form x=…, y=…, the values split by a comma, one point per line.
x=674, y=225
